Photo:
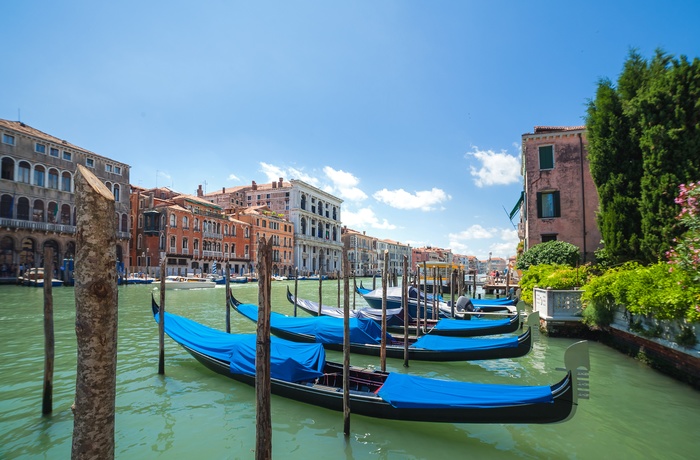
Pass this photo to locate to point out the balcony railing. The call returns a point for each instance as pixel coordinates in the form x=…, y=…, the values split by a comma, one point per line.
x=36, y=226
x=217, y=236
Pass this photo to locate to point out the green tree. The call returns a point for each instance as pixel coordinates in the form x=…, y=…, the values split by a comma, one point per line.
x=644, y=140
x=549, y=253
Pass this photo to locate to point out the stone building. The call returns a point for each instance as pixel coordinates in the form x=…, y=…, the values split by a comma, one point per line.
x=314, y=214
x=395, y=252
x=362, y=252
x=193, y=235
x=271, y=225
x=560, y=200
x=37, y=198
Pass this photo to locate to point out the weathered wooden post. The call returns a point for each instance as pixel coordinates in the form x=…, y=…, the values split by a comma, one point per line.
x=346, y=341
x=227, y=274
x=263, y=418
x=339, y=304
x=474, y=283
x=425, y=284
x=296, y=285
x=385, y=281
x=453, y=283
x=320, y=282
x=95, y=318
x=49, y=342
x=161, y=321
x=404, y=302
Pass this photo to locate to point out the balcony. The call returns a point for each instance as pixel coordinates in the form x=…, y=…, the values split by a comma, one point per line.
x=216, y=236
x=38, y=226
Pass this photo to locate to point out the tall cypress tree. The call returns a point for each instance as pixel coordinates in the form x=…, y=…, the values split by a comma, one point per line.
x=644, y=140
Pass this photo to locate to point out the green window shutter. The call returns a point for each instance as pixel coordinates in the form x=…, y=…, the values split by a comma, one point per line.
x=546, y=157
x=557, y=207
x=539, y=204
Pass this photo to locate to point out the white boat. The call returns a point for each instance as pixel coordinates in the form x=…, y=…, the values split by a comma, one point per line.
x=187, y=282
x=35, y=277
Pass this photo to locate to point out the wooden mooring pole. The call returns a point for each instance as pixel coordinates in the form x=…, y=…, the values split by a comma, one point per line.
x=263, y=417
x=346, y=341
x=161, y=321
x=95, y=318
x=227, y=274
x=49, y=341
x=404, y=302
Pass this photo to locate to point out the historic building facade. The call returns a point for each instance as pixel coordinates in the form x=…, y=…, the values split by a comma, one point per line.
x=37, y=198
x=560, y=200
x=395, y=252
x=271, y=225
x=362, y=252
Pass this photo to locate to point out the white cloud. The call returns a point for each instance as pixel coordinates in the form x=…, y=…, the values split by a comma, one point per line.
x=475, y=232
x=273, y=173
x=496, y=168
x=233, y=177
x=344, y=184
x=365, y=218
x=424, y=200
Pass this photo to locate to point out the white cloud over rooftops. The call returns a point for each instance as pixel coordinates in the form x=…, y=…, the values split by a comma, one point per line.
x=495, y=168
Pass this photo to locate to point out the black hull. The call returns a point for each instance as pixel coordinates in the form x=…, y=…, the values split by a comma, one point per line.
x=369, y=405
x=419, y=354
x=487, y=329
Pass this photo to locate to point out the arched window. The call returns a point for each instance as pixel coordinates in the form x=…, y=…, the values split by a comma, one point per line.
x=116, y=191
x=173, y=242
x=125, y=228
x=303, y=202
x=53, y=178
x=8, y=169
x=139, y=240
x=23, y=172
x=52, y=217
x=303, y=226
x=185, y=222
x=65, y=214
x=66, y=182
x=38, y=213
x=173, y=220
x=39, y=176
x=185, y=246
x=6, y=205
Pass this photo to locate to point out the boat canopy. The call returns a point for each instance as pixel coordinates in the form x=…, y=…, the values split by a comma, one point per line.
x=410, y=391
x=290, y=361
x=326, y=329
x=449, y=324
x=447, y=343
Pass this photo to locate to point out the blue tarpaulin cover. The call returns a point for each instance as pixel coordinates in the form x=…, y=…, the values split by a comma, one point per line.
x=447, y=343
x=408, y=391
x=449, y=324
x=326, y=329
x=289, y=361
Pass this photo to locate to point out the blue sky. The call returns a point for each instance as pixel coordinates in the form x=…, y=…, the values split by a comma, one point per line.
x=410, y=111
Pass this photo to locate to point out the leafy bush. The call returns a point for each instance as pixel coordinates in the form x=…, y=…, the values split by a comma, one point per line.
x=650, y=291
x=551, y=276
x=549, y=253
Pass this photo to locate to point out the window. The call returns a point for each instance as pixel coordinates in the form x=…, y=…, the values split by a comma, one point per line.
x=115, y=192
x=65, y=182
x=173, y=220
x=546, y=156
x=117, y=170
x=7, y=139
x=53, y=152
x=67, y=156
x=39, y=174
x=551, y=237
x=108, y=168
x=89, y=162
x=548, y=205
x=40, y=148
x=8, y=168
x=53, y=179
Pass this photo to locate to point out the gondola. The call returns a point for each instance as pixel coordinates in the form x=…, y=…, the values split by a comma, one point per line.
x=395, y=321
x=394, y=300
x=366, y=338
x=300, y=372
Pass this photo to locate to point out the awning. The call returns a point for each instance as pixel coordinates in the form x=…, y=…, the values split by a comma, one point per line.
x=516, y=208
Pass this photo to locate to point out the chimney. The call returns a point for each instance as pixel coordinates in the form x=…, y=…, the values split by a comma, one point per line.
x=254, y=186
x=274, y=185
x=223, y=189
x=279, y=184
x=200, y=192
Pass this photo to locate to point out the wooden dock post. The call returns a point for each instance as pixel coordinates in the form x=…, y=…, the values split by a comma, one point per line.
x=161, y=321
x=385, y=282
x=346, y=341
x=263, y=418
x=96, y=306
x=227, y=274
x=320, y=282
x=49, y=341
x=296, y=285
x=404, y=302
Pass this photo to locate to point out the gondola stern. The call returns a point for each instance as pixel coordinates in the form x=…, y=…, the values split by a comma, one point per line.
x=578, y=363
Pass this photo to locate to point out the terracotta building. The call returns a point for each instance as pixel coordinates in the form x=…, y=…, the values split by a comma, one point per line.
x=362, y=252
x=270, y=224
x=37, y=199
x=193, y=235
x=559, y=200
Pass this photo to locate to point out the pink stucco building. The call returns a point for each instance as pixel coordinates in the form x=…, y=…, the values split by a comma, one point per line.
x=560, y=200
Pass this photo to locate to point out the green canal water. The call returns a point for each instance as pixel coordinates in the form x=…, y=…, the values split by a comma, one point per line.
x=634, y=412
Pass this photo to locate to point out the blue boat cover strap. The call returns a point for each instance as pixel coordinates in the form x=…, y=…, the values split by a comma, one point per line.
x=449, y=324
x=289, y=361
x=447, y=343
x=326, y=329
x=408, y=391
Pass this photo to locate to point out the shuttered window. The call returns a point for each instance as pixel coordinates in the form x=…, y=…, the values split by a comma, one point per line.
x=548, y=205
x=546, y=156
